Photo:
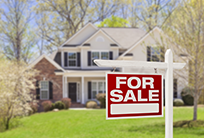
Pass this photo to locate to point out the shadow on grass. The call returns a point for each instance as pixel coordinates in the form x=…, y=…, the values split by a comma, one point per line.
x=160, y=128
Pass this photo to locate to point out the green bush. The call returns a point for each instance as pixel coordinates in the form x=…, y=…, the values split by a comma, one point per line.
x=186, y=96
x=91, y=104
x=101, y=97
x=59, y=105
x=67, y=102
x=53, y=106
x=47, y=105
x=178, y=102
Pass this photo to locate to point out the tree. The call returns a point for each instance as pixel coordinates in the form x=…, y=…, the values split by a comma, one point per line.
x=16, y=36
x=151, y=13
x=16, y=83
x=185, y=29
x=114, y=21
x=60, y=19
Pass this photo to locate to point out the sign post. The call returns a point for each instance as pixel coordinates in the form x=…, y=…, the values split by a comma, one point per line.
x=169, y=66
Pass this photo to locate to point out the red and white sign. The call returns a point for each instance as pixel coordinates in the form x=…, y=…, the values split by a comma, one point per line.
x=134, y=95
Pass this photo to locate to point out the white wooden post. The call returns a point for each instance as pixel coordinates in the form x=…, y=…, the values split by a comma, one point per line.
x=169, y=95
x=66, y=85
x=63, y=86
x=82, y=89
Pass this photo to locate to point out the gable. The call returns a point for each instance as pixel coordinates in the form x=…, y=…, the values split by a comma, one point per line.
x=101, y=41
x=45, y=58
x=44, y=64
x=82, y=35
x=153, y=38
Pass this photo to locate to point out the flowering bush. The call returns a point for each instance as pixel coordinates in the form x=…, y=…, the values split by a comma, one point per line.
x=16, y=83
x=47, y=105
x=67, y=102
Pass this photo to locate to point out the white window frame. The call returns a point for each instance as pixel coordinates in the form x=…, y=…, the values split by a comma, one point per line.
x=48, y=95
x=153, y=47
x=78, y=92
x=92, y=64
x=97, y=88
x=71, y=59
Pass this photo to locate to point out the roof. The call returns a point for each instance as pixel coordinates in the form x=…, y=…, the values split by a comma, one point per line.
x=139, y=41
x=32, y=64
x=125, y=37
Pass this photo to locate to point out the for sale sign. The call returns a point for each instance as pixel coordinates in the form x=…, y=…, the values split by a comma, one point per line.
x=134, y=95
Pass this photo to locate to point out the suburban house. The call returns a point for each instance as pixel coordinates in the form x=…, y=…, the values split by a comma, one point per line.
x=71, y=72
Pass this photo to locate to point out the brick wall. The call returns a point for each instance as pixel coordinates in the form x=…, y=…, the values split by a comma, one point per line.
x=46, y=71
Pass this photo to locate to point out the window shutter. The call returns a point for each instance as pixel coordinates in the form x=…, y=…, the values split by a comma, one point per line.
x=175, y=88
x=78, y=59
x=111, y=55
x=162, y=54
x=89, y=58
x=65, y=59
x=37, y=90
x=50, y=90
x=148, y=53
x=89, y=90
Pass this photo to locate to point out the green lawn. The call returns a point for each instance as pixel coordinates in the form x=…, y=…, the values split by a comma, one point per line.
x=92, y=124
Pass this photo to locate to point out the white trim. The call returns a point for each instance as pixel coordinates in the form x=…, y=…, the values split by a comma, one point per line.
x=71, y=59
x=78, y=92
x=139, y=64
x=100, y=30
x=98, y=38
x=82, y=90
x=138, y=42
x=63, y=86
x=62, y=58
x=79, y=32
x=48, y=95
x=46, y=57
x=97, y=84
x=99, y=51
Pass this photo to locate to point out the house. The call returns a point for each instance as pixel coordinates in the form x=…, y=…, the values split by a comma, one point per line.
x=71, y=72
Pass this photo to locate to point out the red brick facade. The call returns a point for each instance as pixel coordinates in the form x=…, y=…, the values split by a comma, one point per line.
x=46, y=72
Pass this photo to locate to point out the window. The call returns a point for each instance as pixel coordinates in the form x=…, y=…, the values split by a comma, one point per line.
x=44, y=90
x=153, y=53
x=99, y=55
x=72, y=57
x=104, y=55
x=98, y=87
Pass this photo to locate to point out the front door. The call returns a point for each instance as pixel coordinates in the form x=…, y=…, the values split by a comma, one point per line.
x=72, y=91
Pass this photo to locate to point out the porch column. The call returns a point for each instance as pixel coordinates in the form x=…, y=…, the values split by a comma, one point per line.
x=66, y=90
x=82, y=90
x=63, y=88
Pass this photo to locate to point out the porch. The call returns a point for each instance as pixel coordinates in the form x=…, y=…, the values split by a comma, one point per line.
x=84, y=86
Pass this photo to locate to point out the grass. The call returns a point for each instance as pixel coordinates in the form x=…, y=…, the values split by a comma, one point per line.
x=92, y=124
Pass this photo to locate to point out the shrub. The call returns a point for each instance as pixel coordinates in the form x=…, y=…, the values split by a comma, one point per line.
x=59, y=105
x=34, y=108
x=102, y=98
x=186, y=96
x=178, y=102
x=53, y=106
x=67, y=102
x=47, y=105
x=91, y=104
